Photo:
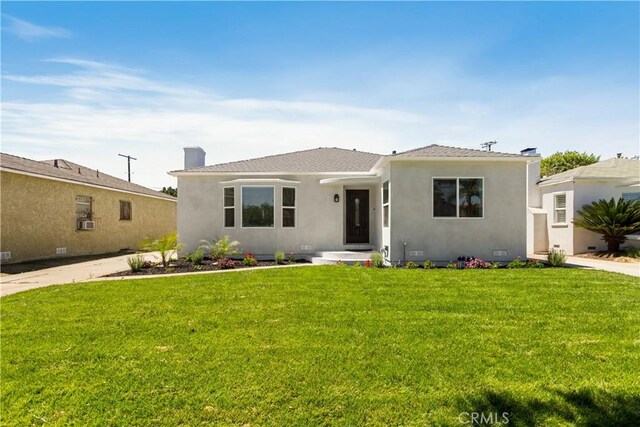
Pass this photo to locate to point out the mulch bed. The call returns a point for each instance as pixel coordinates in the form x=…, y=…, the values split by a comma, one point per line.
x=184, y=266
x=620, y=256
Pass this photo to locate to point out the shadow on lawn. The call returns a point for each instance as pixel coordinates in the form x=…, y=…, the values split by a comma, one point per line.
x=584, y=407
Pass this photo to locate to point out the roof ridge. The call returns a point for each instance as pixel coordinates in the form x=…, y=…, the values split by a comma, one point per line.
x=416, y=149
x=281, y=154
x=450, y=147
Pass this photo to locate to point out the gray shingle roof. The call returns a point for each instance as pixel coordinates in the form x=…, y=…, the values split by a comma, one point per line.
x=74, y=172
x=613, y=169
x=317, y=160
x=444, y=151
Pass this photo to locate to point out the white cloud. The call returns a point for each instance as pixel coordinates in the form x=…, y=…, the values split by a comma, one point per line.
x=30, y=32
x=112, y=109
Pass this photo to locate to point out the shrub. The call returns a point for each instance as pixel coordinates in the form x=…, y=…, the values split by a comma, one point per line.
x=167, y=246
x=632, y=252
x=356, y=264
x=292, y=257
x=556, y=258
x=534, y=263
x=377, y=259
x=368, y=263
x=221, y=248
x=136, y=262
x=196, y=257
x=411, y=265
x=452, y=265
x=477, y=263
x=428, y=265
x=612, y=219
x=249, y=260
x=517, y=263
x=226, y=264
x=279, y=257
x=495, y=264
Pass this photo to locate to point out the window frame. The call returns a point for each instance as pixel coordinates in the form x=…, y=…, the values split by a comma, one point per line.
x=273, y=189
x=294, y=207
x=89, y=216
x=556, y=209
x=130, y=210
x=224, y=208
x=386, y=210
x=458, y=178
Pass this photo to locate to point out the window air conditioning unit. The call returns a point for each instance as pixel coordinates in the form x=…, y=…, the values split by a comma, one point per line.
x=87, y=225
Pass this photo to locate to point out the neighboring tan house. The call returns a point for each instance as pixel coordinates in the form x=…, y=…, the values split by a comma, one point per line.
x=563, y=194
x=57, y=208
x=435, y=202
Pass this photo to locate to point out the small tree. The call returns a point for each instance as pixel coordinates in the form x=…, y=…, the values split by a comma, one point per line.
x=613, y=219
x=222, y=248
x=560, y=162
x=166, y=245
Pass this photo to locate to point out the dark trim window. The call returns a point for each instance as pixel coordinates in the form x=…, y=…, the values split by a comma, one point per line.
x=125, y=210
x=229, y=207
x=385, y=204
x=458, y=197
x=258, y=206
x=288, y=207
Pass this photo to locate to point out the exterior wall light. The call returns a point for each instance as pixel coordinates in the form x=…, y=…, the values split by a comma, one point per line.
x=336, y=198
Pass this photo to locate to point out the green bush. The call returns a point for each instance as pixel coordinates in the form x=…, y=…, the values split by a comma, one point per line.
x=167, y=245
x=221, y=248
x=632, y=252
x=556, y=258
x=356, y=264
x=377, y=259
x=411, y=265
x=279, y=257
x=136, y=262
x=196, y=257
x=452, y=265
x=249, y=260
x=517, y=263
x=428, y=265
x=495, y=264
x=534, y=263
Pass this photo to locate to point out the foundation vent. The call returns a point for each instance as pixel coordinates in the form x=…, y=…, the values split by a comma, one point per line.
x=61, y=251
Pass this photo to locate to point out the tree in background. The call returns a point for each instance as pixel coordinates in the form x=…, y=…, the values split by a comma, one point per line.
x=170, y=191
x=615, y=220
x=560, y=162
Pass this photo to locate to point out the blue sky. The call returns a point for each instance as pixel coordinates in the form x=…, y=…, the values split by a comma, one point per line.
x=86, y=81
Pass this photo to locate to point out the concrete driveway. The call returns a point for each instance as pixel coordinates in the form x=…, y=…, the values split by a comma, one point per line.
x=628, y=268
x=71, y=273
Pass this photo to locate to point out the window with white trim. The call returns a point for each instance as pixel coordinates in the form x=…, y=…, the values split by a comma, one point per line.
x=229, y=207
x=288, y=207
x=385, y=204
x=560, y=208
x=84, y=209
x=257, y=206
x=458, y=197
x=630, y=196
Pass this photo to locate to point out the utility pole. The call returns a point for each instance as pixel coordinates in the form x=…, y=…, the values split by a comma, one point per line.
x=129, y=158
x=487, y=145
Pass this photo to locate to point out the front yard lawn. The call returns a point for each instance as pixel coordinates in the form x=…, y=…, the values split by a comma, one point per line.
x=326, y=346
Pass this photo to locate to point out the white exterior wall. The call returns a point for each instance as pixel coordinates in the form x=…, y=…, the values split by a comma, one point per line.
x=534, y=199
x=320, y=224
x=560, y=235
x=504, y=226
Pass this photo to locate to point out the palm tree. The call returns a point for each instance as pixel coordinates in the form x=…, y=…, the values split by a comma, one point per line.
x=614, y=220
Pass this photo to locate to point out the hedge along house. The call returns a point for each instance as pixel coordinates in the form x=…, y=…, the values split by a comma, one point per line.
x=434, y=202
x=57, y=208
x=563, y=195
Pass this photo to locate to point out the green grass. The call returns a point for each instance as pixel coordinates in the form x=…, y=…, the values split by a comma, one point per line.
x=326, y=346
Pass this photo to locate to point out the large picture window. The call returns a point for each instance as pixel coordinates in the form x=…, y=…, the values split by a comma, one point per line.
x=229, y=207
x=458, y=198
x=257, y=206
x=288, y=207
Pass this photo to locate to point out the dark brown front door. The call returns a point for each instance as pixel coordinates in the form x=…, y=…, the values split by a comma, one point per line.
x=357, y=216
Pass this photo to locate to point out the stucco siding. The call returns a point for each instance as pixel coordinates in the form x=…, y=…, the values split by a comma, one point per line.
x=319, y=220
x=560, y=234
x=503, y=226
x=38, y=215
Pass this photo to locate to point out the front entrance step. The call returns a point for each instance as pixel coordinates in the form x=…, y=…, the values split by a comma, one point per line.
x=346, y=257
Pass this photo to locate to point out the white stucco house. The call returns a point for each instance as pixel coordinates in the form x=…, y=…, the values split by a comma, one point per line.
x=563, y=194
x=434, y=202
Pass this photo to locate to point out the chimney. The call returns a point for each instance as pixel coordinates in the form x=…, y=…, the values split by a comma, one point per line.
x=529, y=152
x=193, y=157
x=55, y=163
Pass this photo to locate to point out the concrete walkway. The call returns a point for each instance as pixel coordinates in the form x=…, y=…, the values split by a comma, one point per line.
x=71, y=273
x=628, y=268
